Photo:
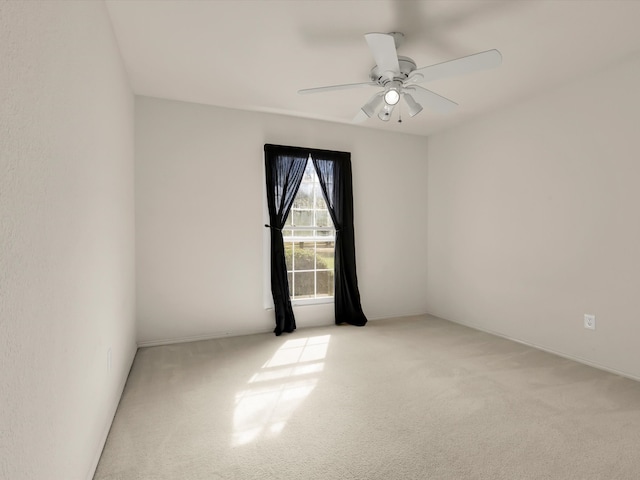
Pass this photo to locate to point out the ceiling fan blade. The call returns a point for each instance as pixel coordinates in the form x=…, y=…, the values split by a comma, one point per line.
x=459, y=66
x=430, y=99
x=360, y=117
x=346, y=86
x=383, y=48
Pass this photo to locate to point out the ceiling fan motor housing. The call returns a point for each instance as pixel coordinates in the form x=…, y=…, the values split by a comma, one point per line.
x=407, y=65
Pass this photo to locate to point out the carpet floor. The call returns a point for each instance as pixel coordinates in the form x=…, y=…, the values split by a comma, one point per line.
x=409, y=398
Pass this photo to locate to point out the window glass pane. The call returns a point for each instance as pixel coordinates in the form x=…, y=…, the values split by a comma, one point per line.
x=290, y=278
x=324, y=233
x=303, y=218
x=325, y=253
x=304, y=284
x=309, y=173
x=320, y=203
x=324, y=284
x=288, y=248
x=288, y=222
x=304, y=256
x=304, y=197
x=322, y=218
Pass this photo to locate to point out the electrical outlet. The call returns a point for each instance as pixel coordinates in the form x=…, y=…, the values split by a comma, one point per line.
x=109, y=360
x=589, y=321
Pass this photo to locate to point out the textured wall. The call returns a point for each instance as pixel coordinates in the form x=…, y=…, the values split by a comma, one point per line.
x=533, y=220
x=66, y=237
x=199, y=218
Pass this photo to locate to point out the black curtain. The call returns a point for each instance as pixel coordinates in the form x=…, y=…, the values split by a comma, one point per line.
x=334, y=174
x=284, y=168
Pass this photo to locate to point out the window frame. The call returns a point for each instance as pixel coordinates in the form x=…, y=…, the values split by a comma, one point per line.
x=267, y=297
x=292, y=239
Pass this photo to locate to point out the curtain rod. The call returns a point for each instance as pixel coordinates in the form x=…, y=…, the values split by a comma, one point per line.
x=303, y=149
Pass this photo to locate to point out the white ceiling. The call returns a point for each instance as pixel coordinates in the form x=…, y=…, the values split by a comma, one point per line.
x=256, y=54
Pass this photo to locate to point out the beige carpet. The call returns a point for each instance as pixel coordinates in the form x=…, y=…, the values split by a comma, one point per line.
x=411, y=398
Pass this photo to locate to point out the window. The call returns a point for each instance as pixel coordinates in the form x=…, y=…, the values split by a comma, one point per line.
x=309, y=241
x=309, y=228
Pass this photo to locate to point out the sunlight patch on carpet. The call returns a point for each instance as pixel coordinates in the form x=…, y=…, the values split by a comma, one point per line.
x=278, y=388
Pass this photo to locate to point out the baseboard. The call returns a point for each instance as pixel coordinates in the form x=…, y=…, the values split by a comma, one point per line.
x=399, y=315
x=114, y=409
x=198, y=338
x=216, y=335
x=568, y=356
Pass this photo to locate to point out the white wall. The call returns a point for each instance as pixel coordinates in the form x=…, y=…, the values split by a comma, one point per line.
x=199, y=218
x=66, y=237
x=533, y=217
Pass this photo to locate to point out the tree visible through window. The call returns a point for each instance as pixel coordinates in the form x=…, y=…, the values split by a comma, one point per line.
x=309, y=241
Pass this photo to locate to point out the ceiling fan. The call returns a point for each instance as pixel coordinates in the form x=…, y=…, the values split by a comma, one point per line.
x=398, y=77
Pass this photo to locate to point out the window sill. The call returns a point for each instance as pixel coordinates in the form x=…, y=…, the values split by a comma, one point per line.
x=301, y=302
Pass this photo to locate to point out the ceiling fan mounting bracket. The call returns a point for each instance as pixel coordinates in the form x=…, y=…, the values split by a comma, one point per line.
x=407, y=65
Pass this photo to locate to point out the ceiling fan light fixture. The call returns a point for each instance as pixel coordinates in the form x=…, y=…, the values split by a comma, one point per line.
x=372, y=105
x=385, y=112
x=392, y=95
x=414, y=107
